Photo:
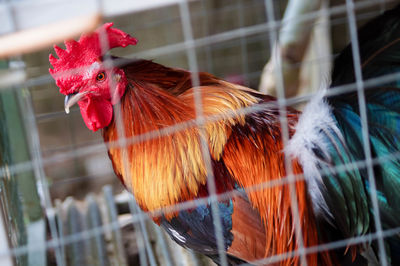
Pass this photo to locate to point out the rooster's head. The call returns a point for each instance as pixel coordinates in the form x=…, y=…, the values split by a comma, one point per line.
x=82, y=76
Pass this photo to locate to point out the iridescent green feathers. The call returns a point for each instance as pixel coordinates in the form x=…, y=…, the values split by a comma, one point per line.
x=339, y=153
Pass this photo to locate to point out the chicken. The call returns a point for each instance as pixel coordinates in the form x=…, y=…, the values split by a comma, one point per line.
x=163, y=165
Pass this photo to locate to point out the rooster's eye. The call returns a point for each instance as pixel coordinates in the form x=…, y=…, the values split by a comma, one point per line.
x=101, y=76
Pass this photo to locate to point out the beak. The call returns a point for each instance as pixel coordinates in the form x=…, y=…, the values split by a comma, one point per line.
x=72, y=99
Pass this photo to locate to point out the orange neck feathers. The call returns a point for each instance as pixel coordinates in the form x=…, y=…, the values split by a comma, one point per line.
x=168, y=169
x=164, y=169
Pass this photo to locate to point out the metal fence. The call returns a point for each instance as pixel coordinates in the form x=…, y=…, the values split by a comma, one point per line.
x=54, y=207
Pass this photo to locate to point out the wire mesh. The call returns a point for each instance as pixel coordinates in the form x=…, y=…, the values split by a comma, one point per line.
x=364, y=124
x=236, y=51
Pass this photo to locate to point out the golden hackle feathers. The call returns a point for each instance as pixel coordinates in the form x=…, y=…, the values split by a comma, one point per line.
x=220, y=106
x=156, y=173
x=166, y=170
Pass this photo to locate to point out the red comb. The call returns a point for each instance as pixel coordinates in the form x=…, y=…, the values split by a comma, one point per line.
x=87, y=50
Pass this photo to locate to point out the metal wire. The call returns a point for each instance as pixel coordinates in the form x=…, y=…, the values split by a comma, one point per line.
x=189, y=45
x=227, y=195
x=101, y=147
x=212, y=190
x=43, y=185
x=134, y=208
x=364, y=127
x=36, y=156
x=209, y=40
x=280, y=88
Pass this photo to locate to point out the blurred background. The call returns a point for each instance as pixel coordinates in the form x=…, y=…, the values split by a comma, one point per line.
x=56, y=178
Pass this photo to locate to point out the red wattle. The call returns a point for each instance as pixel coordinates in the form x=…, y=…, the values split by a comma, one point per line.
x=96, y=113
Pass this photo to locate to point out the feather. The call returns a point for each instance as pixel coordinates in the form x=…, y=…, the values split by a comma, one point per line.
x=254, y=158
x=331, y=150
x=315, y=120
x=150, y=109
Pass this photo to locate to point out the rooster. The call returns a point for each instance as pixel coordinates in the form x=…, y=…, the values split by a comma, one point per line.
x=332, y=188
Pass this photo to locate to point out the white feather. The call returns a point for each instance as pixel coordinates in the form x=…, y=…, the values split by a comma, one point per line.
x=176, y=235
x=316, y=118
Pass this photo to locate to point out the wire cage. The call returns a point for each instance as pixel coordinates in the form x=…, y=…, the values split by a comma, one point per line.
x=61, y=203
